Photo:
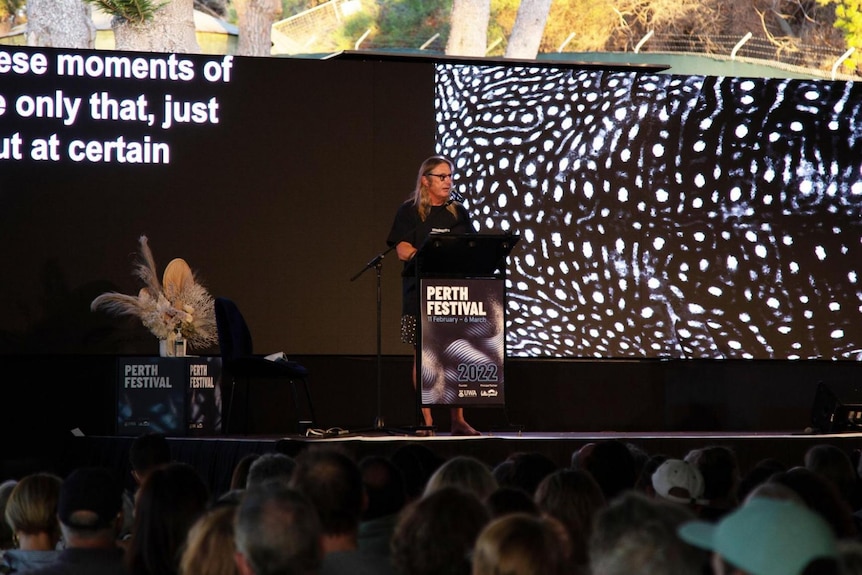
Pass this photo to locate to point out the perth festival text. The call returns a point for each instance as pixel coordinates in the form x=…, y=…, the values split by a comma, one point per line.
x=448, y=303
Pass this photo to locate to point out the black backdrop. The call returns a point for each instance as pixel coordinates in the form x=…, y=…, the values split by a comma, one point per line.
x=276, y=205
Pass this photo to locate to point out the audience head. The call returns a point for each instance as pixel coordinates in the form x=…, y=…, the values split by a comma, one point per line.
x=758, y=474
x=644, y=482
x=331, y=480
x=638, y=534
x=269, y=467
x=229, y=497
x=572, y=497
x=766, y=537
x=32, y=508
x=464, y=472
x=505, y=500
x=835, y=465
x=524, y=470
x=6, y=534
x=521, y=544
x=384, y=487
x=89, y=507
x=721, y=475
x=611, y=464
x=278, y=532
x=147, y=452
x=850, y=557
x=436, y=533
x=171, y=498
x=679, y=481
x=417, y=463
x=774, y=490
x=210, y=546
x=820, y=496
x=239, y=476
x=640, y=457
x=580, y=455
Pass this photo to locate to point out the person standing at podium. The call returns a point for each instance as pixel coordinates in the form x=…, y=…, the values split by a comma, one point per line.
x=430, y=210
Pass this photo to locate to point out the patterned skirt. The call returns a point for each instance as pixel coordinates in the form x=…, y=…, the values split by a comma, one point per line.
x=408, y=329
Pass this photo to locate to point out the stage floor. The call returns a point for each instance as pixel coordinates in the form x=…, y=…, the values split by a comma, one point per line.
x=215, y=457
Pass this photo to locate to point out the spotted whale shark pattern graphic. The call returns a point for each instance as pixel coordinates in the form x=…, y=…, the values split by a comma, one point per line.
x=664, y=216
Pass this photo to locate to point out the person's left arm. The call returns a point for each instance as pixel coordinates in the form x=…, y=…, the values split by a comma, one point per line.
x=405, y=251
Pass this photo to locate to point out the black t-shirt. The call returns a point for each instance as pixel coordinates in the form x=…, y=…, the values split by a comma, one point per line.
x=409, y=227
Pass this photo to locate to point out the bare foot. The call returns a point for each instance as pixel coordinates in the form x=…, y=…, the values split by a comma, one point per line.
x=463, y=428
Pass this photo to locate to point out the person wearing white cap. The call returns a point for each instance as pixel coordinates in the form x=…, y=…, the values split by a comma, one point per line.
x=767, y=536
x=679, y=481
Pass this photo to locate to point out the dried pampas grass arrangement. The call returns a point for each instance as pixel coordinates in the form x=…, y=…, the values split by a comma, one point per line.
x=176, y=307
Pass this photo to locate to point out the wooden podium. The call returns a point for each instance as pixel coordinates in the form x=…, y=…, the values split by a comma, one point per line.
x=461, y=331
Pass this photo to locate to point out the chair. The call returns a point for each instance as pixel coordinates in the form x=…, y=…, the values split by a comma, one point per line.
x=241, y=363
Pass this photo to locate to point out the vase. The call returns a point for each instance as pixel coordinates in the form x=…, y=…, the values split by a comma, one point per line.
x=172, y=346
x=166, y=348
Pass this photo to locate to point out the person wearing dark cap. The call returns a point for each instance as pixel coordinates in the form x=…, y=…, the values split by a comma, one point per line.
x=90, y=514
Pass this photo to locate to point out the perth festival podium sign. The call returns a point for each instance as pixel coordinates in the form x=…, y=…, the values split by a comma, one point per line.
x=171, y=395
x=462, y=323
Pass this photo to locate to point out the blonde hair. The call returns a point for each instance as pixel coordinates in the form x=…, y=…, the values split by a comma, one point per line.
x=420, y=193
x=520, y=544
x=32, y=505
x=210, y=546
x=465, y=472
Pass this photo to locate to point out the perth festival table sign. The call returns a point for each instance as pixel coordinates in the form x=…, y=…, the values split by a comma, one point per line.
x=137, y=95
x=462, y=341
x=171, y=395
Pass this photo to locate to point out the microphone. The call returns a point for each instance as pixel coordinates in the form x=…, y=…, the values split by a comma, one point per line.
x=454, y=197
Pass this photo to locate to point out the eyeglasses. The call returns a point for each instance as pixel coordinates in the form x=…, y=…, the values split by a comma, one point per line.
x=441, y=177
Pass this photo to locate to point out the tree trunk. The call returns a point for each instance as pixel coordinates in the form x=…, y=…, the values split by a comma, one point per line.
x=60, y=24
x=172, y=29
x=255, y=19
x=529, y=27
x=468, y=33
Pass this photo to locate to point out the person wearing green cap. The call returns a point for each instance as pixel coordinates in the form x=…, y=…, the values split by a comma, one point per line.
x=767, y=536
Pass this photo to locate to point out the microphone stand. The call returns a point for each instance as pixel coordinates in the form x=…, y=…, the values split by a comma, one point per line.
x=377, y=263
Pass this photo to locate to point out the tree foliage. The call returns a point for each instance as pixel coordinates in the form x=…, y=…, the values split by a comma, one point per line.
x=848, y=19
x=592, y=22
x=134, y=11
x=8, y=8
x=356, y=25
x=410, y=23
x=9, y=14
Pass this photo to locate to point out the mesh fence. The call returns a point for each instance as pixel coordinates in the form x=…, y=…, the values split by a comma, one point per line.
x=789, y=54
x=314, y=30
